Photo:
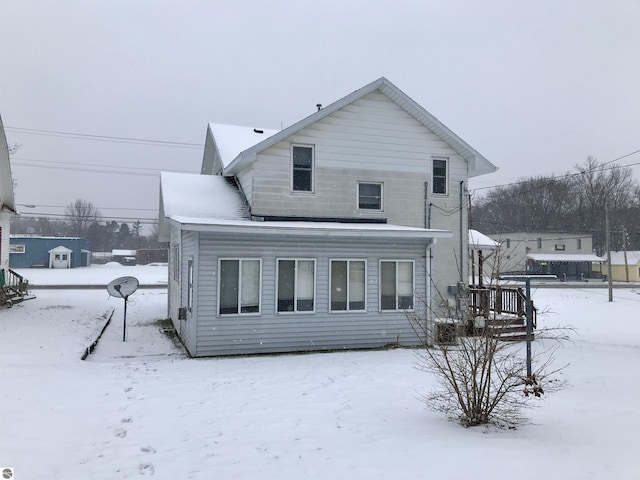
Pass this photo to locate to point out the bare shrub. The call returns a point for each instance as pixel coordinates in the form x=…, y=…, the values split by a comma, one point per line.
x=481, y=377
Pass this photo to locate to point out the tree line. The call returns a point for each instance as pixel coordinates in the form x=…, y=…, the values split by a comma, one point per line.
x=82, y=219
x=576, y=202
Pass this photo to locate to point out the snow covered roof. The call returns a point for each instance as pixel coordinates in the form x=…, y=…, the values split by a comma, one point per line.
x=60, y=248
x=564, y=257
x=210, y=203
x=479, y=241
x=478, y=165
x=199, y=196
x=633, y=258
x=232, y=140
x=122, y=253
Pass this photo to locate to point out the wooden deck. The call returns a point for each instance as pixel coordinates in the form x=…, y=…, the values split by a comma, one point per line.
x=14, y=288
x=502, y=311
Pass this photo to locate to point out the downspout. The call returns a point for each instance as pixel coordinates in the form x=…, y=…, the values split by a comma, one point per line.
x=428, y=262
x=462, y=262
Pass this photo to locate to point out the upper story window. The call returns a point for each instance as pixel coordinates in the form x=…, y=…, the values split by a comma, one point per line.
x=507, y=243
x=579, y=243
x=559, y=246
x=370, y=196
x=440, y=176
x=539, y=242
x=302, y=174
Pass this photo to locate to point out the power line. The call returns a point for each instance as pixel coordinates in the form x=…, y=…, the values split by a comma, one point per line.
x=599, y=168
x=93, y=168
x=103, y=138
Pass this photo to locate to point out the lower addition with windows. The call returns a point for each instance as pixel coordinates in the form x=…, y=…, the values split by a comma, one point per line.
x=273, y=302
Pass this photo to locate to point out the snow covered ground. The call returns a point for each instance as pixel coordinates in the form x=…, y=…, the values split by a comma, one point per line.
x=140, y=407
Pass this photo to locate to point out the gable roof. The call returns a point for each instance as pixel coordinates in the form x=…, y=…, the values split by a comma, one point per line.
x=232, y=140
x=478, y=165
x=633, y=257
x=200, y=196
x=479, y=241
x=7, y=200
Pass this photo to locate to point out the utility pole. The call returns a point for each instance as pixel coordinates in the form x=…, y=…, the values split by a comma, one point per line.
x=608, y=243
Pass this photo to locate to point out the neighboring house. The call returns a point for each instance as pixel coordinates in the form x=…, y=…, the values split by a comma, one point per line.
x=123, y=256
x=566, y=255
x=7, y=201
x=322, y=235
x=49, y=252
x=624, y=267
x=146, y=256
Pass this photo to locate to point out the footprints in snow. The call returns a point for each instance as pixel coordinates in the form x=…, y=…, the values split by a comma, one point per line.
x=144, y=468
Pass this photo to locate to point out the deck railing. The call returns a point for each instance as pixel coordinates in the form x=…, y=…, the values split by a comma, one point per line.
x=498, y=300
x=13, y=287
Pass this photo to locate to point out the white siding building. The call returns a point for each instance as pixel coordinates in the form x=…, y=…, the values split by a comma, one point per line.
x=321, y=235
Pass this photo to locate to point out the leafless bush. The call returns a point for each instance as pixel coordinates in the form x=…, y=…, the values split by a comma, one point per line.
x=481, y=377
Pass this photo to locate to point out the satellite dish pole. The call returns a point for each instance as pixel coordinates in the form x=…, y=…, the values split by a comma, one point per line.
x=123, y=287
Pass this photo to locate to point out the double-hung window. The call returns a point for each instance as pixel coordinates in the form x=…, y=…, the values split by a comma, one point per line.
x=302, y=174
x=439, y=176
x=370, y=196
x=239, y=286
x=348, y=285
x=296, y=285
x=176, y=262
x=396, y=285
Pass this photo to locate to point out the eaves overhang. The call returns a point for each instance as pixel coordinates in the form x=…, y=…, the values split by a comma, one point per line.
x=477, y=164
x=248, y=229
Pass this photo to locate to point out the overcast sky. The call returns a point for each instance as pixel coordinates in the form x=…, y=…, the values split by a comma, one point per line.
x=535, y=86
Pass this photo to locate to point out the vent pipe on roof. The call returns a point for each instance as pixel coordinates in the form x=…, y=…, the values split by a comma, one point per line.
x=319, y=105
x=257, y=130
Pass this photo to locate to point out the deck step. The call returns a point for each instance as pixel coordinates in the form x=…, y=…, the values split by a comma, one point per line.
x=516, y=338
x=507, y=330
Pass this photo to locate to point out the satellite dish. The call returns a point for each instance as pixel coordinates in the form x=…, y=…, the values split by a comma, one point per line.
x=123, y=287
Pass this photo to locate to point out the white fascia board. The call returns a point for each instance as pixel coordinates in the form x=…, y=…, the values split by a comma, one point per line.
x=478, y=165
x=352, y=232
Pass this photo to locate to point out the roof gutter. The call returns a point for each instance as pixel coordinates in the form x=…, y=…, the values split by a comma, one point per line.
x=260, y=229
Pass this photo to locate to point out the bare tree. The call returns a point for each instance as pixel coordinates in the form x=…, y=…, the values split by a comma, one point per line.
x=80, y=215
x=481, y=376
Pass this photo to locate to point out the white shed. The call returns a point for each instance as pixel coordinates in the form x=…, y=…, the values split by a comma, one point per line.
x=60, y=257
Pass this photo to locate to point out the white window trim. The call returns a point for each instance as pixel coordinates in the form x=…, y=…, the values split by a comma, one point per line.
x=295, y=287
x=176, y=262
x=371, y=210
x=240, y=313
x=190, y=284
x=348, y=260
x=313, y=169
x=446, y=183
x=413, y=285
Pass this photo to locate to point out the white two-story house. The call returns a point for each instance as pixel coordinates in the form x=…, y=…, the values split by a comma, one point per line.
x=322, y=235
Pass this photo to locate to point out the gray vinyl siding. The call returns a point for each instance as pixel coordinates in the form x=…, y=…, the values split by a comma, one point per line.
x=187, y=243
x=271, y=332
x=371, y=140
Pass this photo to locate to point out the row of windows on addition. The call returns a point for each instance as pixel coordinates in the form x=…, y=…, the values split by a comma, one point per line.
x=369, y=194
x=240, y=283
x=557, y=246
